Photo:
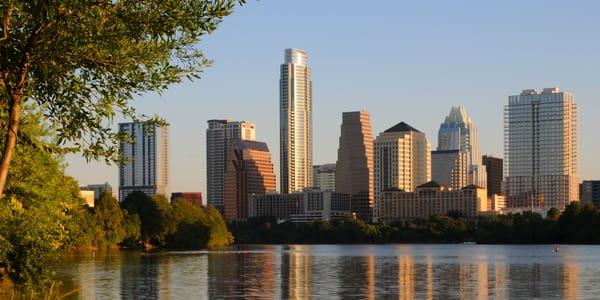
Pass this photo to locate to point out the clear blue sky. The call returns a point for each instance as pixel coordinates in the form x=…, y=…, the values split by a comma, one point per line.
x=400, y=60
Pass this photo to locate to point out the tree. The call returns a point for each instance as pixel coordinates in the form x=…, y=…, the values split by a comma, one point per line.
x=80, y=62
x=109, y=218
x=155, y=215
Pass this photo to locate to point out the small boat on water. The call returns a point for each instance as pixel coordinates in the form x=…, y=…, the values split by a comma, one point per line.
x=556, y=249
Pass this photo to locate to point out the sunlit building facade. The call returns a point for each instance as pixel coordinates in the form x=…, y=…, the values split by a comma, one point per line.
x=295, y=117
x=541, y=149
x=219, y=135
x=449, y=167
x=324, y=177
x=355, y=164
x=249, y=171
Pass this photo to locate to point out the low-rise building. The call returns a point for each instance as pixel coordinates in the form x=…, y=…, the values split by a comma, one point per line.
x=306, y=206
x=98, y=189
x=496, y=202
x=88, y=196
x=589, y=192
x=431, y=199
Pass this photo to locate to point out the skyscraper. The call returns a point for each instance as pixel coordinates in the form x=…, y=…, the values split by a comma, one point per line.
x=589, y=192
x=541, y=149
x=219, y=135
x=146, y=166
x=458, y=132
x=354, y=168
x=494, y=168
x=324, y=177
x=249, y=171
x=402, y=160
x=295, y=116
x=449, y=167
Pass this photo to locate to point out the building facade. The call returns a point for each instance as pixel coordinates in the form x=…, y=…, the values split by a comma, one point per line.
x=432, y=199
x=402, y=160
x=219, y=135
x=249, y=171
x=146, y=166
x=449, y=167
x=355, y=163
x=98, y=189
x=88, y=197
x=295, y=117
x=193, y=197
x=306, y=206
x=495, y=174
x=324, y=177
x=590, y=192
x=458, y=132
x=541, y=149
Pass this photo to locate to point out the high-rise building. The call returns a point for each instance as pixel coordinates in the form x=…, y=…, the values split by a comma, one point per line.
x=146, y=166
x=541, y=149
x=590, y=192
x=295, y=116
x=193, y=197
x=495, y=174
x=219, y=135
x=449, y=167
x=324, y=177
x=355, y=168
x=402, y=160
x=458, y=132
x=249, y=171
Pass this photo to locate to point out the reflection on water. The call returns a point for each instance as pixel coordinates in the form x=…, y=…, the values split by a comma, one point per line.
x=328, y=271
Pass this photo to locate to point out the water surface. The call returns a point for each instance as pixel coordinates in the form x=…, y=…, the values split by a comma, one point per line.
x=340, y=271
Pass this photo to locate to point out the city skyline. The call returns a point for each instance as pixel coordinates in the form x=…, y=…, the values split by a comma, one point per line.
x=401, y=94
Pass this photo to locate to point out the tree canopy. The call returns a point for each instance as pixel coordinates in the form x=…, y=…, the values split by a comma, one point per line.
x=80, y=62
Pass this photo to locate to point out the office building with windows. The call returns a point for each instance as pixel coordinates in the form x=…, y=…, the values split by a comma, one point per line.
x=324, y=177
x=449, y=167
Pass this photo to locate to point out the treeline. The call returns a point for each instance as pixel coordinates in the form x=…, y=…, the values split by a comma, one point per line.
x=577, y=224
x=42, y=216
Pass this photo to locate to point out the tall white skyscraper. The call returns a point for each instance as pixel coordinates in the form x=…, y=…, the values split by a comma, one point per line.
x=219, y=135
x=402, y=160
x=458, y=132
x=295, y=116
x=541, y=165
x=146, y=166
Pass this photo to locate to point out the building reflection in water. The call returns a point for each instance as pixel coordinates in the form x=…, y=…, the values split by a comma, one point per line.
x=571, y=281
x=406, y=277
x=357, y=276
x=139, y=276
x=296, y=272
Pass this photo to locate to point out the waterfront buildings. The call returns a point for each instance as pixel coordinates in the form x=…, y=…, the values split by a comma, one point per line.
x=249, y=171
x=458, y=132
x=431, y=199
x=295, y=116
x=193, y=197
x=219, y=135
x=541, y=149
x=355, y=163
x=590, y=192
x=402, y=160
x=98, y=189
x=306, y=206
x=324, y=177
x=146, y=166
x=495, y=174
x=449, y=167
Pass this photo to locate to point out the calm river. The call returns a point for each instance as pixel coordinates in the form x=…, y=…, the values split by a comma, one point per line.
x=340, y=271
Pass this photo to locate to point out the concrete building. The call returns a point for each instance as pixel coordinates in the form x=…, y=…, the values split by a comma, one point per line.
x=88, y=197
x=194, y=197
x=402, y=160
x=146, y=166
x=249, y=171
x=541, y=149
x=495, y=174
x=98, y=189
x=449, y=167
x=458, y=132
x=496, y=203
x=295, y=117
x=355, y=163
x=590, y=192
x=306, y=206
x=219, y=135
x=431, y=199
x=324, y=177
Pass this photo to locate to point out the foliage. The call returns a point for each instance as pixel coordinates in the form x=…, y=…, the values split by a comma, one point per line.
x=81, y=62
x=109, y=220
x=191, y=232
x=155, y=214
x=576, y=224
